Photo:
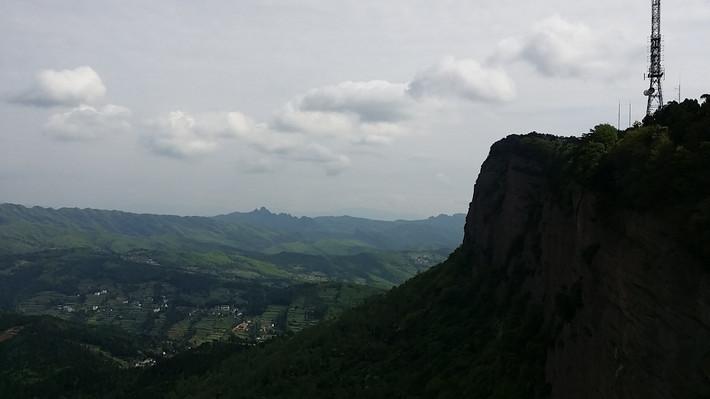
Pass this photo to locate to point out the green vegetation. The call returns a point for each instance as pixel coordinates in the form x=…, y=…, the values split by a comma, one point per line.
x=652, y=167
x=186, y=281
x=52, y=358
x=438, y=335
x=30, y=229
x=255, y=245
x=175, y=305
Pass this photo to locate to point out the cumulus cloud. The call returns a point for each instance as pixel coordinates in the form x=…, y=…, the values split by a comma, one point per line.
x=285, y=146
x=374, y=112
x=293, y=119
x=361, y=112
x=371, y=101
x=466, y=79
x=181, y=135
x=379, y=133
x=352, y=112
x=559, y=48
x=86, y=122
x=66, y=87
x=259, y=135
x=336, y=124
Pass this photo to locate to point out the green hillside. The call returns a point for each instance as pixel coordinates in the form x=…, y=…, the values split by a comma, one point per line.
x=164, y=276
x=255, y=245
x=25, y=229
x=441, y=231
x=48, y=357
x=178, y=306
x=439, y=335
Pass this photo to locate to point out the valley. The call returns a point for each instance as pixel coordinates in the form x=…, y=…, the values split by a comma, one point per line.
x=184, y=282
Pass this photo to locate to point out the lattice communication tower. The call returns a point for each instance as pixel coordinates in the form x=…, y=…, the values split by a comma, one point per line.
x=655, y=69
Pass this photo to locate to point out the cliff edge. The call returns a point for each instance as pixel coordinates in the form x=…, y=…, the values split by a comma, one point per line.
x=626, y=306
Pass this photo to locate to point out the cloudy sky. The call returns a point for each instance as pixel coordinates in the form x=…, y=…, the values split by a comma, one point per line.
x=377, y=108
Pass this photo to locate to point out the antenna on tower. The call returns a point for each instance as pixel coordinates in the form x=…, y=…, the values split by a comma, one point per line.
x=618, y=121
x=655, y=69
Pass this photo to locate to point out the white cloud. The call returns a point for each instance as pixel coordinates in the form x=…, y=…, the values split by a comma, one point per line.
x=86, y=122
x=559, y=48
x=379, y=133
x=285, y=146
x=181, y=135
x=355, y=112
x=66, y=87
x=466, y=79
x=360, y=112
x=337, y=125
x=371, y=101
x=375, y=112
x=352, y=112
x=293, y=119
x=178, y=135
x=259, y=135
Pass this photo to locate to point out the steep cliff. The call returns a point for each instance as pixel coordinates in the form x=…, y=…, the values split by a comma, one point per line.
x=627, y=307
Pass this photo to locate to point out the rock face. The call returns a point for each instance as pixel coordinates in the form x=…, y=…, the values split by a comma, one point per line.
x=627, y=305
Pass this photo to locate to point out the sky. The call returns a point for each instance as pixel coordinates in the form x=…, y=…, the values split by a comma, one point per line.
x=372, y=108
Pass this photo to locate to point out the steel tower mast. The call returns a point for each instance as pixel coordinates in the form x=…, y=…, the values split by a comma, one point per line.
x=655, y=69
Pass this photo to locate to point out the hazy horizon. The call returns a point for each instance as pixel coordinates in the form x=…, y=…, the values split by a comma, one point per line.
x=365, y=213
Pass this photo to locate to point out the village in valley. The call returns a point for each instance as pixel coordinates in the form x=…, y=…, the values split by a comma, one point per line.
x=176, y=320
x=177, y=304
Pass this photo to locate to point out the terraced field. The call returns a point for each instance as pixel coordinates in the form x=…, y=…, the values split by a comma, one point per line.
x=175, y=306
x=211, y=328
x=183, y=282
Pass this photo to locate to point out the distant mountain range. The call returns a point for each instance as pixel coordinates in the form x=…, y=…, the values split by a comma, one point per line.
x=181, y=282
x=24, y=229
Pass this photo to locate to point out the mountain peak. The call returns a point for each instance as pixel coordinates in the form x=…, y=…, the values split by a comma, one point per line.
x=262, y=211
